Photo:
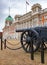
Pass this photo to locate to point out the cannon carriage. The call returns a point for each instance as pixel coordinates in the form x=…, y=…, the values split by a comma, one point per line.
x=34, y=36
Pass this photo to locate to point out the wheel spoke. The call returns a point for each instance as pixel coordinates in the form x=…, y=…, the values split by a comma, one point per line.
x=27, y=46
x=34, y=47
x=24, y=44
x=35, y=42
x=23, y=40
x=33, y=37
x=44, y=45
x=26, y=33
x=24, y=37
x=30, y=33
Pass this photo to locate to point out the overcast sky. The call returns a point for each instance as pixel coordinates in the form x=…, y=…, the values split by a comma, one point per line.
x=16, y=7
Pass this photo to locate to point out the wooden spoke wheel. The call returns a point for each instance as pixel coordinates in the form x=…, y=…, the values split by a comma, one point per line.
x=28, y=37
x=44, y=44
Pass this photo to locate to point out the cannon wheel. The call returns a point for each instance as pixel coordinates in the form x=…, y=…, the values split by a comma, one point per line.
x=26, y=38
x=45, y=45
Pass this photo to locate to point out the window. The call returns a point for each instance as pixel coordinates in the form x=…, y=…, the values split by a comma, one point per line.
x=45, y=23
x=34, y=10
x=35, y=22
x=45, y=17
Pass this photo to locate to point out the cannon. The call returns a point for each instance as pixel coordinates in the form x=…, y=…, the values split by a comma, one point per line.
x=35, y=35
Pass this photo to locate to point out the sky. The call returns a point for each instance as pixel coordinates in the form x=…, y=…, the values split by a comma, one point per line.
x=16, y=7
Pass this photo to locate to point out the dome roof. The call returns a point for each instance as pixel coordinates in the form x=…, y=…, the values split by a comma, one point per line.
x=9, y=18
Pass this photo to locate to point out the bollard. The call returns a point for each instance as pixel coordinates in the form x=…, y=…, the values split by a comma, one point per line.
x=5, y=44
x=42, y=52
x=32, y=52
x=1, y=43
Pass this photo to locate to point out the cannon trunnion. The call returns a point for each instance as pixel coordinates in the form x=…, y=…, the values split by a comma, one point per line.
x=35, y=35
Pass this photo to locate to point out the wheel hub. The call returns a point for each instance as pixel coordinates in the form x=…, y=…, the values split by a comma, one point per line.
x=28, y=39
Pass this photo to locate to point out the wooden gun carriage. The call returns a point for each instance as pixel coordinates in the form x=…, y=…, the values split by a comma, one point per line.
x=35, y=35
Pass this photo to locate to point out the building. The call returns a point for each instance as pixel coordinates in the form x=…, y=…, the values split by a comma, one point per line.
x=36, y=17
x=8, y=30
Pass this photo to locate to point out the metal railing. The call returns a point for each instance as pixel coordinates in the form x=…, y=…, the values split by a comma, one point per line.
x=5, y=45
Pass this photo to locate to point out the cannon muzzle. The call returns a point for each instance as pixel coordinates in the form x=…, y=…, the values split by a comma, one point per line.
x=19, y=30
x=22, y=30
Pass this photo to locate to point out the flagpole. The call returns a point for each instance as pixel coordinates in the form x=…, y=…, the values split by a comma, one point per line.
x=26, y=8
x=9, y=10
x=26, y=5
x=9, y=6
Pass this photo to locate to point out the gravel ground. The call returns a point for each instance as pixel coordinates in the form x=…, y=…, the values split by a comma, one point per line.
x=20, y=57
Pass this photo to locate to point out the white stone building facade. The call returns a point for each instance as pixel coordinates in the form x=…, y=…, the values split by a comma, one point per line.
x=36, y=17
